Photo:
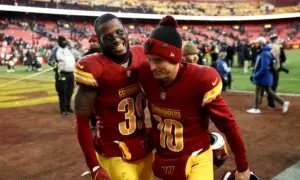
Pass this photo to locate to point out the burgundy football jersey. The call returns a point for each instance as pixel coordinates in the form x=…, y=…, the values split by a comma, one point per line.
x=179, y=120
x=118, y=107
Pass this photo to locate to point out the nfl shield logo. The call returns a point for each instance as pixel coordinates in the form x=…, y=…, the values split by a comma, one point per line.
x=163, y=96
x=128, y=73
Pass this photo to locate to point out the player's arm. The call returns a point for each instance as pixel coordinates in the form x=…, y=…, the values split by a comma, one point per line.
x=222, y=116
x=52, y=58
x=84, y=104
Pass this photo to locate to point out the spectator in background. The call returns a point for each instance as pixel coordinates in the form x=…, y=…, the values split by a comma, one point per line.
x=282, y=58
x=63, y=60
x=247, y=57
x=30, y=58
x=201, y=54
x=275, y=51
x=94, y=45
x=214, y=54
x=224, y=71
x=230, y=50
x=263, y=78
x=190, y=53
x=253, y=53
x=10, y=63
x=240, y=53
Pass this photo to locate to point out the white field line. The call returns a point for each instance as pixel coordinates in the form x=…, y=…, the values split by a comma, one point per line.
x=252, y=92
x=26, y=77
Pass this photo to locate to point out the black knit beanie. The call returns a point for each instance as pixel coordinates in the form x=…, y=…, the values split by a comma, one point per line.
x=165, y=41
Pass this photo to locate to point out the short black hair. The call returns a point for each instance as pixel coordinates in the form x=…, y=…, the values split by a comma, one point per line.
x=103, y=19
x=61, y=39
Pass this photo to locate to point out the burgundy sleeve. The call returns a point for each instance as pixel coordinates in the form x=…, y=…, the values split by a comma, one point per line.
x=85, y=140
x=222, y=116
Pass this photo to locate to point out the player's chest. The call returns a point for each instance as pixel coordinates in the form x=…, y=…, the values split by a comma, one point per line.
x=116, y=76
x=177, y=102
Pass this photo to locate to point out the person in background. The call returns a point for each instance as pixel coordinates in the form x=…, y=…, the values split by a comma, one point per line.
x=63, y=61
x=275, y=51
x=190, y=53
x=94, y=45
x=247, y=57
x=214, y=53
x=224, y=71
x=282, y=57
x=230, y=54
x=263, y=78
x=253, y=53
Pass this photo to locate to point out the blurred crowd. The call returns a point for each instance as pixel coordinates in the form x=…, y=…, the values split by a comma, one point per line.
x=187, y=7
x=18, y=47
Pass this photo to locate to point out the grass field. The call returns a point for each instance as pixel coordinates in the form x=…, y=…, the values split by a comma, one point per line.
x=15, y=92
x=288, y=83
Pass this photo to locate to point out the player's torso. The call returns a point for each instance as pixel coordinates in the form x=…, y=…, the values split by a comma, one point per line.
x=118, y=107
x=176, y=114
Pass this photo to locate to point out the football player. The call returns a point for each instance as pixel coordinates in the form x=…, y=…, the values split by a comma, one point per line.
x=181, y=99
x=107, y=84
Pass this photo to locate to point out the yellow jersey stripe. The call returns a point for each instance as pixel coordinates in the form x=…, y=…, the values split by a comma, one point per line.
x=212, y=94
x=84, y=80
x=84, y=74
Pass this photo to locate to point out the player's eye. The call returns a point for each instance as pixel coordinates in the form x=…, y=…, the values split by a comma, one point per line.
x=121, y=32
x=107, y=37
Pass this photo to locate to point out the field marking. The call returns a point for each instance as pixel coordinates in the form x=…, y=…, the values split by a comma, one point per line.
x=281, y=79
x=26, y=77
x=252, y=92
x=290, y=173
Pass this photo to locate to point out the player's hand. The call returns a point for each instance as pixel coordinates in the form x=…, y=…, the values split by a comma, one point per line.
x=100, y=174
x=242, y=175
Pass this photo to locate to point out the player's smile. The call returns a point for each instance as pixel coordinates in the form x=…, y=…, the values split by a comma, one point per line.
x=119, y=48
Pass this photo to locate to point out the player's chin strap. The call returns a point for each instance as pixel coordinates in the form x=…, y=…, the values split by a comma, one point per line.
x=231, y=175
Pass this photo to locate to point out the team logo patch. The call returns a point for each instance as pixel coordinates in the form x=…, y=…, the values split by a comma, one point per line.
x=163, y=96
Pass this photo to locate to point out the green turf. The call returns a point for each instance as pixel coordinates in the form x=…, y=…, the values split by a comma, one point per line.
x=288, y=83
x=22, y=71
x=32, y=90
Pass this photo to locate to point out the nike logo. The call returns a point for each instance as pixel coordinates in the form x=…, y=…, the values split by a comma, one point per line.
x=172, y=54
x=80, y=66
x=214, y=82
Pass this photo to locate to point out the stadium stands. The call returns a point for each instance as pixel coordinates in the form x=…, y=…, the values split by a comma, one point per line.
x=34, y=32
x=182, y=7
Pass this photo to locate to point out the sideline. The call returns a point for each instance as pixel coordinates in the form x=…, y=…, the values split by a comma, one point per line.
x=252, y=92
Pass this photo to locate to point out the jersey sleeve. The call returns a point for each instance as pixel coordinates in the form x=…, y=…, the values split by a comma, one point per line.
x=211, y=84
x=220, y=113
x=85, y=72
